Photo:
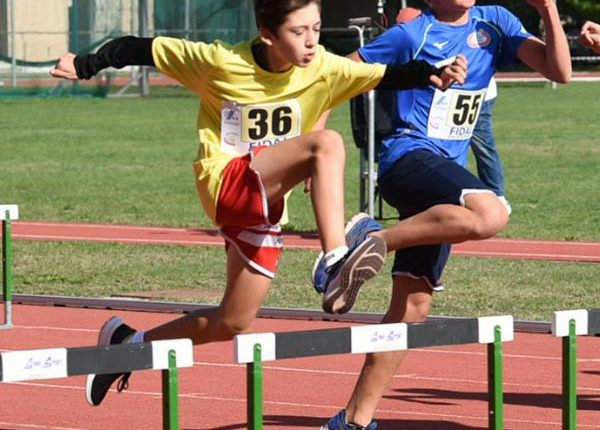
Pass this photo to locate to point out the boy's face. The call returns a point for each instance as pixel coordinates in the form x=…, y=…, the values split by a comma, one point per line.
x=297, y=39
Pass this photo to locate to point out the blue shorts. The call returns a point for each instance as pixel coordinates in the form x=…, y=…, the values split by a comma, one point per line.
x=417, y=181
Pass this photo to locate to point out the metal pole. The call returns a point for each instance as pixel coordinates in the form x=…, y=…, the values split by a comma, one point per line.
x=370, y=141
x=143, y=30
x=254, y=389
x=187, y=19
x=371, y=154
x=495, y=393
x=6, y=270
x=569, y=379
x=170, y=394
x=13, y=43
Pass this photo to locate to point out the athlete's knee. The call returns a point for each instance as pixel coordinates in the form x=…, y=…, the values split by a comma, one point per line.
x=491, y=222
x=490, y=216
x=328, y=143
x=228, y=328
x=411, y=300
x=418, y=308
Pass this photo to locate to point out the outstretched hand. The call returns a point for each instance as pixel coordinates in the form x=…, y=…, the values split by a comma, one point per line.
x=453, y=73
x=590, y=36
x=65, y=68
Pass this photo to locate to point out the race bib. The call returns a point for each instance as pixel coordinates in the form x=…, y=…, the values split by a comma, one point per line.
x=454, y=113
x=244, y=127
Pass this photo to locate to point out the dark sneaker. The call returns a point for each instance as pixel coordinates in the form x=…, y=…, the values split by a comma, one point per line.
x=356, y=231
x=113, y=332
x=345, y=277
x=339, y=423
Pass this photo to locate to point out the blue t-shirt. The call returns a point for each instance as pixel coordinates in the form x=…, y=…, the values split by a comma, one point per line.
x=442, y=122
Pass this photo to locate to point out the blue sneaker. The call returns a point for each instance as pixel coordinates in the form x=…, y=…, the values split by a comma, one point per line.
x=339, y=423
x=364, y=260
x=356, y=231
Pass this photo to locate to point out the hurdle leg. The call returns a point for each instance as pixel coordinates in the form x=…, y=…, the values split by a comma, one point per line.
x=254, y=386
x=495, y=392
x=170, y=394
x=569, y=379
x=6, y=271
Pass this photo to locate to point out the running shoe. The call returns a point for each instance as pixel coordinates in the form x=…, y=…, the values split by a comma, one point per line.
x=346, y=277
x=113, y=332
x=356, y=231
x=339, y=423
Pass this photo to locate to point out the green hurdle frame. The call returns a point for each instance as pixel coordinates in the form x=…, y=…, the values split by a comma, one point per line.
x=170, y=394
x=254, y=385
x=569, y=324
x=254, y=378
x=7, y=269
x=495, y=382
x=569, y=378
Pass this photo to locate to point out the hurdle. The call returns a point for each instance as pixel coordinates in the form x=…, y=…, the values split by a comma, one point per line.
x=8, y=213
x=254, y=349
x=568, y=325
x=165, y=355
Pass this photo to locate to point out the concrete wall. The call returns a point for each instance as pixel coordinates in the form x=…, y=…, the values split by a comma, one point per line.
x=42, y=26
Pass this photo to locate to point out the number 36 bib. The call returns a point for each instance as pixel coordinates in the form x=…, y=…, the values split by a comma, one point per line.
x=244, y=127
x=454, y=113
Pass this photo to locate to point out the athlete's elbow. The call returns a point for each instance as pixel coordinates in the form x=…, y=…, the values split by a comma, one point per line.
x=562, y=78
x=566, y=77
x=562, y=75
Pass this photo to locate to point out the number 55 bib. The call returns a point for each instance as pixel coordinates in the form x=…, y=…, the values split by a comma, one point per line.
x=454, y=113
x=244, y=127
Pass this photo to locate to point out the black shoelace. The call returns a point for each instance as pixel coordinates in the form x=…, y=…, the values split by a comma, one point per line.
x=123, y=383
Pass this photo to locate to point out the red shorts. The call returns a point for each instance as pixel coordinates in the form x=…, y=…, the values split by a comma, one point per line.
x=247, y=221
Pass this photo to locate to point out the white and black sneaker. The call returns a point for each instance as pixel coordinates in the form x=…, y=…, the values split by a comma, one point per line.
x=346, y=277
x=113, y=332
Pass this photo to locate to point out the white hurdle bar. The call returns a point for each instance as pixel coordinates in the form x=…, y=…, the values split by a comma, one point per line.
x=253, y=349
x=52, y=363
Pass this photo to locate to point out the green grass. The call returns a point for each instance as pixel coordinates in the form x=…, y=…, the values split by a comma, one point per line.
x=129, y=161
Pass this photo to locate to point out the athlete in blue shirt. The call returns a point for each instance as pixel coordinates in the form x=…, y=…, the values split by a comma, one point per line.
x=421, y=170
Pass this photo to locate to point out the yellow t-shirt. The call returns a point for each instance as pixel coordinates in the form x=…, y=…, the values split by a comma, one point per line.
x=243, y=105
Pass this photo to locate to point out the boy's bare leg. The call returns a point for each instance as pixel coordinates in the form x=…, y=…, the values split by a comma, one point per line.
x=319, y=155
x=482, y=217
x=410, y=302
x=244, y=294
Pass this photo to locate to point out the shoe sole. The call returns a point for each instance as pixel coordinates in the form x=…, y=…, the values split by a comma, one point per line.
x=366, y=262
x=104, y=335
x=108, y=329
x=88, y=389
x=349, y=226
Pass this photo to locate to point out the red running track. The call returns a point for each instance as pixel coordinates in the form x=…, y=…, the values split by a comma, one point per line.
x=436, y=389
x=441, y=388
x=500, y=248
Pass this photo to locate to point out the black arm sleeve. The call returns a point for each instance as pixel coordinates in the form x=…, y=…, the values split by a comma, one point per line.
x=414, y=74
x=118, y=53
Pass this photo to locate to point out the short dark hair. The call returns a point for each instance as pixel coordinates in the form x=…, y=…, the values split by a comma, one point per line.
x=270, y=14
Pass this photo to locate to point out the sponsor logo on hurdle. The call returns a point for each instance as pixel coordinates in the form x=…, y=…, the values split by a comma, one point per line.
x=378, y=338
x=35, y=364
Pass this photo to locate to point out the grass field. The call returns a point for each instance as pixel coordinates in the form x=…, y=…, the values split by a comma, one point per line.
x=129, y=161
